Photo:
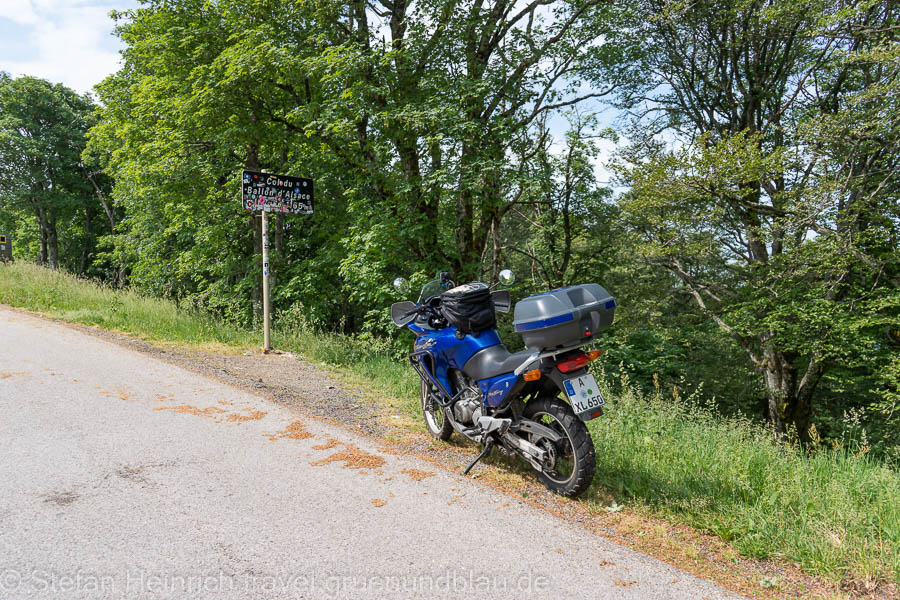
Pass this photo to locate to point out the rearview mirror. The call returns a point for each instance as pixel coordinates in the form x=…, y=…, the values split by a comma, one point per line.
x=506, y=277
x=401, y=285
x=403, y=313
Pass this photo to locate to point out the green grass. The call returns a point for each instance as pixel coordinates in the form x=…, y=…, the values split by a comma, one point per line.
x=835, y=512
x=79, y=301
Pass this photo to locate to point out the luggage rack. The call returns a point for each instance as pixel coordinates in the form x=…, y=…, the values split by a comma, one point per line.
x=549, y=353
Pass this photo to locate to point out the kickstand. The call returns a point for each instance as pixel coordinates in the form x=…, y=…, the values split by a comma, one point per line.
x=487, y=448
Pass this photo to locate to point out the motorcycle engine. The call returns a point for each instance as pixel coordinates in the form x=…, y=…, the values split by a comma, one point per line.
x=468, y=408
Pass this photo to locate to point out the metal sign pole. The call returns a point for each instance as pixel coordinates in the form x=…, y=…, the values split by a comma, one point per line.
x=282, y=194
x=265, y=260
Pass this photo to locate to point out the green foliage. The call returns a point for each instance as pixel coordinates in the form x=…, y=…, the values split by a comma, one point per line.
x=780, y=232
x=409, y=141
x=561, y=229
x=47, y=201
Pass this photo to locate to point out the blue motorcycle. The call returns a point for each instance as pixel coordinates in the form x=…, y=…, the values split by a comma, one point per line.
x=533, y=403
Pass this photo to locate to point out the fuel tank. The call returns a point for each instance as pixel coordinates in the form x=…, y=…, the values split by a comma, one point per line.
x=448, y=351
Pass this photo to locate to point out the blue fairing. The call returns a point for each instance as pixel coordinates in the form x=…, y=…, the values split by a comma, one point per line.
x=495, y=389
x=450, y=352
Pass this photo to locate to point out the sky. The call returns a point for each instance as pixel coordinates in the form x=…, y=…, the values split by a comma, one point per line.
x=65, y=41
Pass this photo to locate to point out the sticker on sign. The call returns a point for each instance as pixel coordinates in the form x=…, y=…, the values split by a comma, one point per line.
x=276, y=193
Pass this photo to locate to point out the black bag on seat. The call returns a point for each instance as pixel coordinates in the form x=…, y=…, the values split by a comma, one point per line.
x=469, y=308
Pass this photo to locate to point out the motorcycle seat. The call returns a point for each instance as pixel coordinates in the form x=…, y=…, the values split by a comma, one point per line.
x=493, y=361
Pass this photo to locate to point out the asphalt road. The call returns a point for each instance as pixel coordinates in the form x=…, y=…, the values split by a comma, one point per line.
x=122, y=476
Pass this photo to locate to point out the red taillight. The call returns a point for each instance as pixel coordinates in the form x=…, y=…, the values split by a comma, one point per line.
x=574, y=363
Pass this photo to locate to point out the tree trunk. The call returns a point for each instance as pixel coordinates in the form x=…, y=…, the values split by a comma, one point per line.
x=52, y=242
x=779, y=380
x=465, y=216
x=102, y=198
x=118, y=272
x=42, y=257
x=789, y=400
x=88, y=240
x=42, y=228
x=497, y=254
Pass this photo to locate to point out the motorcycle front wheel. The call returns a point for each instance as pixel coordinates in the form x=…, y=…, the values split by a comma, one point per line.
x=569, y=469
x=436, y=422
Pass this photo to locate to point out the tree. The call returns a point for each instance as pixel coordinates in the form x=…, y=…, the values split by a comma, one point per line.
x=437, y=98
x=42, y=128
x=853, y=129
x=207, y=90
x=561, y=222
x=409, y=112
x=744, y=214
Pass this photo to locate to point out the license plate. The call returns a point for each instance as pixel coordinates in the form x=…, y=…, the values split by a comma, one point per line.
x=583, y=393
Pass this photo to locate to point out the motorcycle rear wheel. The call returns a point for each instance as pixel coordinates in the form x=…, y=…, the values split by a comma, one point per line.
x=573, y=461
x=436, y=422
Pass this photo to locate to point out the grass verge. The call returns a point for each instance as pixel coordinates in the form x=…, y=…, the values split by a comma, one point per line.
x=834, y=512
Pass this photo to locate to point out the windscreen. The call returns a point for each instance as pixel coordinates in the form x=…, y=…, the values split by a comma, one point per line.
x=430, y=290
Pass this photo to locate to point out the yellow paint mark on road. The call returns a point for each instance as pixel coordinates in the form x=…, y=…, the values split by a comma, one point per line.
x=331, y=443
x=187, y=409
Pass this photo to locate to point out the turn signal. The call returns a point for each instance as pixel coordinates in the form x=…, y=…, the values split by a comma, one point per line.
x=594, y=355
x=533, y=375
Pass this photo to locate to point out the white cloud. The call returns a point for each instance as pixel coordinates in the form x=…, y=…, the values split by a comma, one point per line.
x=69, y=42
x=18, y=11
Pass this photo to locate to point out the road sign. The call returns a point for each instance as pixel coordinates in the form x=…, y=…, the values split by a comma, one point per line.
x=267, y=192
x=5, y=247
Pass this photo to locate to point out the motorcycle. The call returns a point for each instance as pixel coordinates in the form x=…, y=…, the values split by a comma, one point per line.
x=534, y=403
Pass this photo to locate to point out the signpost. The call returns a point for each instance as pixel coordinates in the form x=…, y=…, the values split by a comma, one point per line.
x=5, y=248
x=265, y=192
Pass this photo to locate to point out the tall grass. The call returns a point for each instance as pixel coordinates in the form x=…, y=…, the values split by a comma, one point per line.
x=77, y=300
x=366, y=359
x=833, y=510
